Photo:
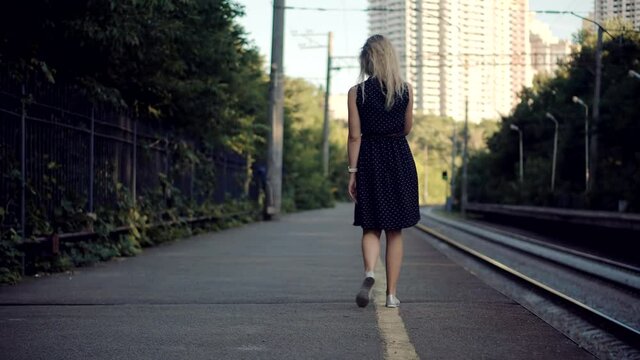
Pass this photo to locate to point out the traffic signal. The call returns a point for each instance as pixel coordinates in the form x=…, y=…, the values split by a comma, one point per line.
x=444, y=175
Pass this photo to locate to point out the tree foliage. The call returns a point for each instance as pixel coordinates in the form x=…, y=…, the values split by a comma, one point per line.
x=184, y=62
x=494, y=175
x=304, y=184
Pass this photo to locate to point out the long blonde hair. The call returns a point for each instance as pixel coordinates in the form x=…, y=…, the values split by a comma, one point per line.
x=378, y=59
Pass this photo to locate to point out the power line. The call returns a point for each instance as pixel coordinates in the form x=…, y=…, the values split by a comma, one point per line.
x=386, y=9
x=510, y=54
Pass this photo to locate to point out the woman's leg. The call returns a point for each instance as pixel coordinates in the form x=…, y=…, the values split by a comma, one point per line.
x=370, y=254
x=370, y=248
x=394, y=259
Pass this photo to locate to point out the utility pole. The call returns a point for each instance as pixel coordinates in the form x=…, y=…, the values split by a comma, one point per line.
x=325, y=130
x=426, y=173
x=516, y=128
x=465, y=156
x=593, y=161
x=596, y=113
x=452, y=185
x=555, y=151
x=276, y=113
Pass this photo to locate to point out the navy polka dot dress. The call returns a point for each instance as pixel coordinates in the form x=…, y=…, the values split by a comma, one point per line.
x=386, y=181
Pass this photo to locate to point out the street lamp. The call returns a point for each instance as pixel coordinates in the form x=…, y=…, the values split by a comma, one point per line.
x=586, y=141
x=634, y=74
x=516, y=128
x=555, y=151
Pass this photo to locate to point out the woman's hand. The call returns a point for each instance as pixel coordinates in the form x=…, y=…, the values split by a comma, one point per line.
x=352, y=187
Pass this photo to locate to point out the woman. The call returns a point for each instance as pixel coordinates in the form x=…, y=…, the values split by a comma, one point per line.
x=383, y=180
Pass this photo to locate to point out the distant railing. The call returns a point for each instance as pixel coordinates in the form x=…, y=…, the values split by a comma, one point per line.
x=57, y=150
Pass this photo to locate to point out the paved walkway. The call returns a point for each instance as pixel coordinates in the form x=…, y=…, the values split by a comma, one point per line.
x=270, y=290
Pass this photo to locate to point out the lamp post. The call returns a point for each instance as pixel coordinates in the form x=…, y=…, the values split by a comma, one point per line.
x=586, y=141
x=516, y=128
x=634, y=74
x=555, y=151
x=596, y=95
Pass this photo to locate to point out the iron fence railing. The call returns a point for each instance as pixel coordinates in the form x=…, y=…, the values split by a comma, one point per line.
x=58, y=149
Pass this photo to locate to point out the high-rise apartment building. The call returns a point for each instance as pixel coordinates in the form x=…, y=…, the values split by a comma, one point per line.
x=452, y=50
x=626, y=9
x=546, y=50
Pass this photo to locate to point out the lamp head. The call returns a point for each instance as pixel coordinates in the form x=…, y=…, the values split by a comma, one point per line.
x=514, y=127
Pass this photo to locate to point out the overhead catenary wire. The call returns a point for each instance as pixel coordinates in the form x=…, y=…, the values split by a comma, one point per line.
x=387, y=9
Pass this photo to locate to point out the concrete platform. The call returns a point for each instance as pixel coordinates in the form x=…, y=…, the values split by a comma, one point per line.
x=276, y=290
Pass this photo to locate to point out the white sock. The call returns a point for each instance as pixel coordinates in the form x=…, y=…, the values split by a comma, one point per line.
x=369, y=274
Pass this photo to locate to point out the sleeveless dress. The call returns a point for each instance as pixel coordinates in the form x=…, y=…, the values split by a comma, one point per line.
x=386, y=181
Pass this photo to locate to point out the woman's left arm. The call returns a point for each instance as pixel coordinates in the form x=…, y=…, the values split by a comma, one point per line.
x=353, y=143
x=408, y=117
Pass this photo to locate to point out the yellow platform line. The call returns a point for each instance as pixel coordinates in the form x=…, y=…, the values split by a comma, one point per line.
x=396, y=340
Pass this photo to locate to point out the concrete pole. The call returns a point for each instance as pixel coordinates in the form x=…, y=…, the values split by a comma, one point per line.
x=465, y=157
x=23, y=168
x=325, y=130
x=452, y=185
x=596, y=113
x=426, y=174
x=587, y=171
x=134, y=180
x=276, y=113
x=92, y=153
x=521, y=159
x=516, y=128
x=555, y=151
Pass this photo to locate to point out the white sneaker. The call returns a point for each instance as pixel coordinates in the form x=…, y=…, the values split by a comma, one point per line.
x=392, y=301
x=364, y=295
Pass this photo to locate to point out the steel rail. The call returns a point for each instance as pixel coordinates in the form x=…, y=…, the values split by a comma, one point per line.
x=542, y=243
x=526, y=278
x=625, y=280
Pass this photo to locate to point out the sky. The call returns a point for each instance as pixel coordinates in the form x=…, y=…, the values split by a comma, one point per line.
x=305, y=52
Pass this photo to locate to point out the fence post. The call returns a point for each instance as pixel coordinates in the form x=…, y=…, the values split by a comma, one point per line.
x=224, y=177
x=23, y=172
x=92, y=149
x=193, y=179
x=135, y=160
x=166, y=170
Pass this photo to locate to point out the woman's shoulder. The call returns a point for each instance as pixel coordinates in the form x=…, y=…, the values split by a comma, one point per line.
x=353, y=90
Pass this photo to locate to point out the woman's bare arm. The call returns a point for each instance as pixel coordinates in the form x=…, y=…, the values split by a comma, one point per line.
x=353, y=145
x=408, y=117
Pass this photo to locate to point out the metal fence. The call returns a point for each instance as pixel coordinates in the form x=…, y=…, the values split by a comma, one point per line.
x=57, y=149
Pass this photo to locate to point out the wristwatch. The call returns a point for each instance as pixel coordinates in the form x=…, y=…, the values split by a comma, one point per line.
x=352, y=170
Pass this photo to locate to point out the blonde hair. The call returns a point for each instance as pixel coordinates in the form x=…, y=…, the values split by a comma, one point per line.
x=378, y=59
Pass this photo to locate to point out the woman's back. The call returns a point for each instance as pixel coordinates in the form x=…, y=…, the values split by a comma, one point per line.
x=375, y=119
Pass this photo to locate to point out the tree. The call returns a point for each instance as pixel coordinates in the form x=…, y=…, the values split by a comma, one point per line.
x=182, y=62
x=619, y=159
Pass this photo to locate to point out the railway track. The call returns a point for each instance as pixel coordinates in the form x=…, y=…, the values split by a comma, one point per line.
x=602, y=295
